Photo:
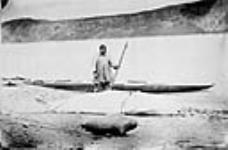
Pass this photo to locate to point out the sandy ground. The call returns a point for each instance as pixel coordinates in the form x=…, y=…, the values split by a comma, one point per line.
x=27, y=122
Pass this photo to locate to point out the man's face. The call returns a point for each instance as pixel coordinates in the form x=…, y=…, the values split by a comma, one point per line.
x=103, y=51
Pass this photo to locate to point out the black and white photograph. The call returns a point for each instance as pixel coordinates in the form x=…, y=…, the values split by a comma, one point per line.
x=114, y=75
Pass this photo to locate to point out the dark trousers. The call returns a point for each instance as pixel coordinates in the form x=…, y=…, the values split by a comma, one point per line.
x=101, y=86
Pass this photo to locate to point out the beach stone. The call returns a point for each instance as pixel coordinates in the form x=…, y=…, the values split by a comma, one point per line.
x=10, y=84
x=4, y=144
x=17, y=136
x=117, y=125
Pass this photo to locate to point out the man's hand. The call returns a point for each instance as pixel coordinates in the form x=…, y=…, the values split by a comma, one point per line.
x=116, y=67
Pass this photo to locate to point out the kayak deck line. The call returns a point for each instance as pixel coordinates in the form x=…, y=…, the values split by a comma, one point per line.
x=147, y=88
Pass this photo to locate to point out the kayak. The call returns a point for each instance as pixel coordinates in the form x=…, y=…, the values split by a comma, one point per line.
x=161, y=88
x=148, y=88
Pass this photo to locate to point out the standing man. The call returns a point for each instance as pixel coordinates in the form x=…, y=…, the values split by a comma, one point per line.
x=103, y=76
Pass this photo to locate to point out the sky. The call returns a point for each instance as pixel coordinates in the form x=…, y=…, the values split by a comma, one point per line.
x=68, y=9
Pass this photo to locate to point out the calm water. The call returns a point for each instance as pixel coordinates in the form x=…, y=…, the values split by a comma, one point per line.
x=188, y=59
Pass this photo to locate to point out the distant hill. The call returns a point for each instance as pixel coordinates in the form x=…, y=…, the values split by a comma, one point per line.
x=206, y=16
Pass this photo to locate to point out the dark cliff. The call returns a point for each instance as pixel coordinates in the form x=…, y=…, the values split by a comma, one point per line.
x=206, y=16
